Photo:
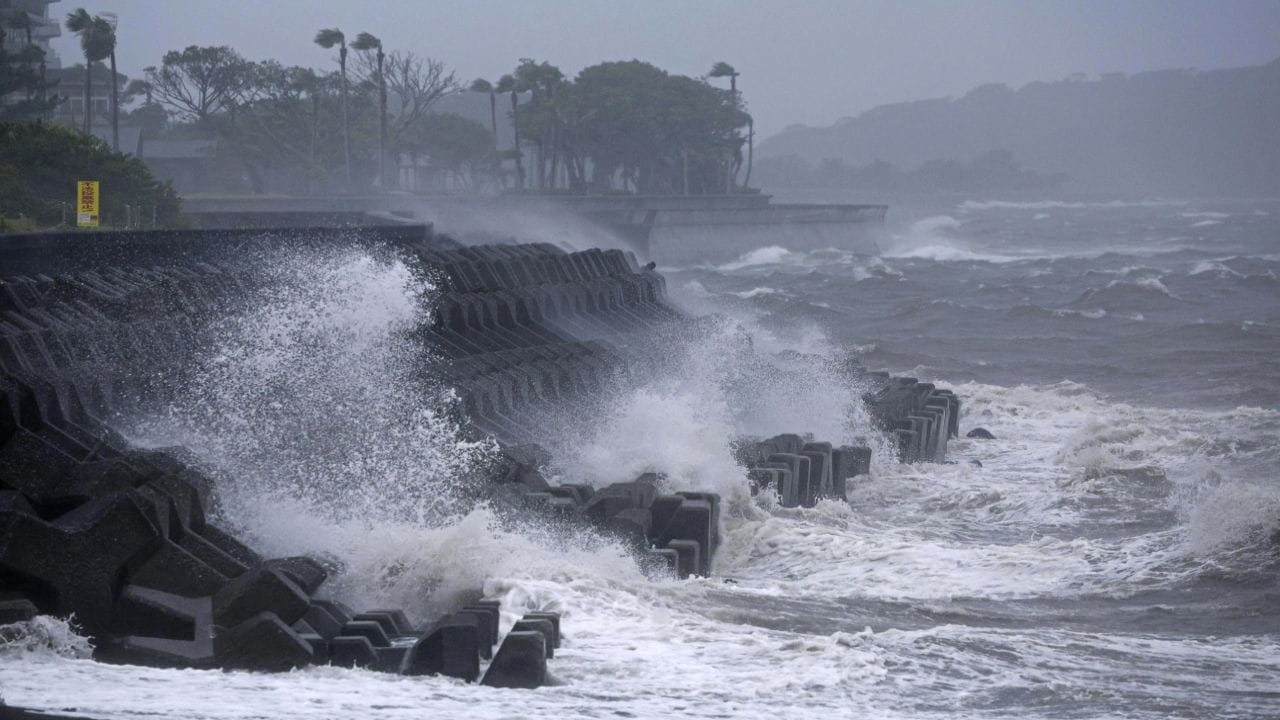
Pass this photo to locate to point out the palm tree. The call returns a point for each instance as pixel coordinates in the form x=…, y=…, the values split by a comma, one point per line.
x=18, y=19
x=107, y=26
x=365, y=41
x=724, y=69
x=96, y=42
x=327, y=39
x=484, y=86
x=507, y=83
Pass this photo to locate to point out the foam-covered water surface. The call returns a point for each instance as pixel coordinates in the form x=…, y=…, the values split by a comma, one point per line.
x=1112, y=553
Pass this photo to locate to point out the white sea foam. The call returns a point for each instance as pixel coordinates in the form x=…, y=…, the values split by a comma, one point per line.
x=781, y=639
x=935, y=238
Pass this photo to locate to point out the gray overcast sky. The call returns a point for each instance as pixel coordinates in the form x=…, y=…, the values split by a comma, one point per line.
x=803, y=61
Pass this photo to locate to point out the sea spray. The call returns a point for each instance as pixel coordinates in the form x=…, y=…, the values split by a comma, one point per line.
x=312, y=404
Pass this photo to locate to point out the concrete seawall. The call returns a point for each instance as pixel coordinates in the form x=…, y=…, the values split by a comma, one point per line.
x=668, y=229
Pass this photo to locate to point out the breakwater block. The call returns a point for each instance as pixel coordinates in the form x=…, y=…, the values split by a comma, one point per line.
x=121, y=538
x=15, y=611
x=487, y=616
x=801, y=479
x=539, y=625
x=124, y=539
x=521, y=662
x=553, y=618
x=451, y=647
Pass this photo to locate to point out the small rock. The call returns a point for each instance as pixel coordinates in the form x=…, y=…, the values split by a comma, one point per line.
x=976, y=463
x=981, y=434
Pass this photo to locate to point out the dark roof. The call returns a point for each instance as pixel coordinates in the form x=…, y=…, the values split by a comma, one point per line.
x=130, y=136
x=178, y=149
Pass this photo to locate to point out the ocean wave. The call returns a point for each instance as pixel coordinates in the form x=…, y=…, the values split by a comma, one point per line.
x=933, y=238
x=944, y=252
x=1065, y=204
x=1215, y=268
x=1143, y=293
x=1036, y=311
x=770, y=255
x=758, y=291
x=1210, y=215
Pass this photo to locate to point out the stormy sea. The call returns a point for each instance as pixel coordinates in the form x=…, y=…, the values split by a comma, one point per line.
x=1113, y=552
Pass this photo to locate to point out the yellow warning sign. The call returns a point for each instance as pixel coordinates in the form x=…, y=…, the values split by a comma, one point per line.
x=87, y=203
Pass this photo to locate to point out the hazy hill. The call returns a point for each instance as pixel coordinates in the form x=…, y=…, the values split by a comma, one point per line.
x=1169, y=131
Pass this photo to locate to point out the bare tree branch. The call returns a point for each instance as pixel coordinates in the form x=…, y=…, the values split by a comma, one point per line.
x=414, y=85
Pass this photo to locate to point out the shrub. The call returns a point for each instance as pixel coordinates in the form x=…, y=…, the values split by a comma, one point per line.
x=40, y=163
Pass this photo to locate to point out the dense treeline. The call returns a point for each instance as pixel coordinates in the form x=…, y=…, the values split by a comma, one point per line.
x=626, y=126
x=615, y=127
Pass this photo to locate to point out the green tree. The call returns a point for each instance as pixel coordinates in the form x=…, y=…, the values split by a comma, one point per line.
x=18, y=75
x=658, y=133
x=510, y=84
x=459, y=146
x=327, y=39
x=540, y=122
x=97, y=42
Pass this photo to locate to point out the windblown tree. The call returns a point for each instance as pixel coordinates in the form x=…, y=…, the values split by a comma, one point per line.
x=266, y=115
x=368, y=43
x=97, y=42
x=150, y=116
x=200, y=83
x=115, y=86
x=328, y=39
x=481, y=85
x=414, y=85
x=540, y=122
x=642, y=125
x=724, y=69
x=510, y=84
